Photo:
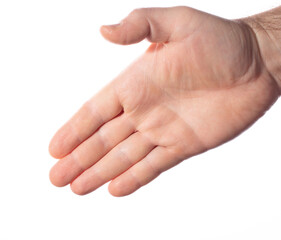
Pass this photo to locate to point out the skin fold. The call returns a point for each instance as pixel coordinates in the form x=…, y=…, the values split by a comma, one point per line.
x=202, y=81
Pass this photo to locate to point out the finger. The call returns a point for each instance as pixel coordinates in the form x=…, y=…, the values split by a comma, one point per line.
x=91, y=150
x=155, y=24
x=100, y=109
x=159, y=160
x=118, y=160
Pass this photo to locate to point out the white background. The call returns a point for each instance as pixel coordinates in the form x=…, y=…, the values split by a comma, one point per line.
x=52, y=59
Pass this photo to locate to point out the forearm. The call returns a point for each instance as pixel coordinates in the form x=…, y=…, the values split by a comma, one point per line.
x=267, y=27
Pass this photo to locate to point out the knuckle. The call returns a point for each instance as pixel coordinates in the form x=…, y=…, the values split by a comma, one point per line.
x=138, y=182
x=79, y=160
x=104, y=139
x=137, y=12
x=124, y=156
x=155, y=171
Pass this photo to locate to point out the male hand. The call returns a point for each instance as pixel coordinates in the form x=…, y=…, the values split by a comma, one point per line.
x=201, y=82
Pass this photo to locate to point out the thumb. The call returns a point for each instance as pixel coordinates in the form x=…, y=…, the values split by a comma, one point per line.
x=155, y=24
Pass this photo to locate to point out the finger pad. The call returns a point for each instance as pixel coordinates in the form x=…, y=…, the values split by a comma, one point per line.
x=62, y=144
x=64, y=172
x=122, y=188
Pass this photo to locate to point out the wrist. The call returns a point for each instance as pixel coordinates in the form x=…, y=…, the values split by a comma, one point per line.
x=267, y=29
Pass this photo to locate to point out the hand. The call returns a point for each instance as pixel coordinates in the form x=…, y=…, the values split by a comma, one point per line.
x=201, y=82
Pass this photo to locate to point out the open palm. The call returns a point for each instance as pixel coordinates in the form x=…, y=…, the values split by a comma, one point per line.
x=200, y=83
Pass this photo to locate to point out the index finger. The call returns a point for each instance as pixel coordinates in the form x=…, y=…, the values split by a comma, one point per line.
x=100, y=109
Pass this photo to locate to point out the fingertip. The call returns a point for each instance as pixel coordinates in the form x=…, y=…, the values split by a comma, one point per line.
x=119, y=189
x=56, y=178
x=64, y=172
x=107, y=31
x=77, y=189
x=126, y=32
x=115, y=192
x=53, y=149
x=56, y=148
x=62, y=143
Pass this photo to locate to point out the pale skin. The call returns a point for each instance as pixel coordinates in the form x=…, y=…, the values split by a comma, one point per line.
x=202, y=82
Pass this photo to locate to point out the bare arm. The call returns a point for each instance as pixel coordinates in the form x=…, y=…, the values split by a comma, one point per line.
x=267, y=27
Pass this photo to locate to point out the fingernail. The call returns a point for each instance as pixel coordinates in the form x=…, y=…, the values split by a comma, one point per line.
x=113, y=25
x=110, y=28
